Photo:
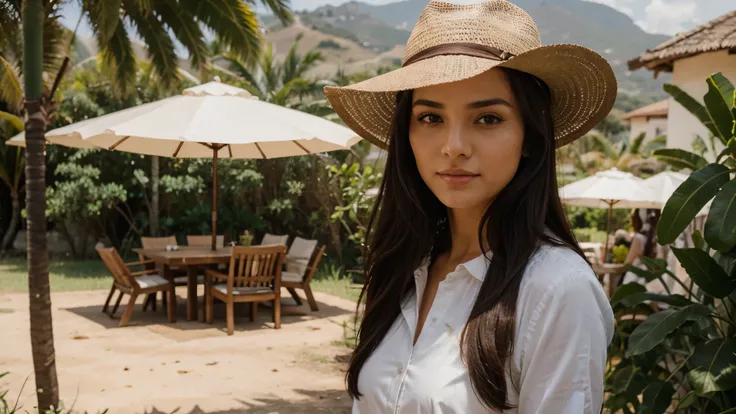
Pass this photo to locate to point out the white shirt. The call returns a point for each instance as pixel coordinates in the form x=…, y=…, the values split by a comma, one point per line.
x=564, y=324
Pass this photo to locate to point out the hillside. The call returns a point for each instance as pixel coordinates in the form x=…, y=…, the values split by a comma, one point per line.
x=597, y=26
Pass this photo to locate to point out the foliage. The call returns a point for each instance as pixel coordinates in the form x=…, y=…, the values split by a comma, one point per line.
x=81, y=198
x=597, y=218
x=592, y=235
x=680, y=352
x=7, y=408
x=354, y=205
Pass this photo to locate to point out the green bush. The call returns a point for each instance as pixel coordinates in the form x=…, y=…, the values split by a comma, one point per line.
x=589, y=235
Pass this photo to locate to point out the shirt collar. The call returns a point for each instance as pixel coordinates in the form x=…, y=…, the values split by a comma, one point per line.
x=476, y=267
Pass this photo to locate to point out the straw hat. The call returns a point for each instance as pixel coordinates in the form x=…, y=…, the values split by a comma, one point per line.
x=452, y=42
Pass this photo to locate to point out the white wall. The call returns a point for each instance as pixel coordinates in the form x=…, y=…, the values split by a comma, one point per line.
x=689, y=74
x=652, y=127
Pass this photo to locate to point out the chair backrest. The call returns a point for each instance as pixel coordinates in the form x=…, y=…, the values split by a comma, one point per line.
x=312, y=268
x=205, y=241
x=158, y=242
x=256, y=266
x=300, y=252
x=116, y=266
x=270, y=239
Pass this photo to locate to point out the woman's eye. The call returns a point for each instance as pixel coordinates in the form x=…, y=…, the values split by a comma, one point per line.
x=430, y=119
x=489, y=119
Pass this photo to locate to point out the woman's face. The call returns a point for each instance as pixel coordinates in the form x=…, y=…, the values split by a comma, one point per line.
x=467, y=138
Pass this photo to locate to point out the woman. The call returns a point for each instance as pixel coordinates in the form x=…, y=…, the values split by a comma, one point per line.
x=478, y=298
x=644, y=243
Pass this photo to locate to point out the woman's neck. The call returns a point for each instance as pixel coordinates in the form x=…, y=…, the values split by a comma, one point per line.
x=464, y=226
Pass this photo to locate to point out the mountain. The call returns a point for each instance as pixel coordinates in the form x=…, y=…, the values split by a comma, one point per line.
x=380, y=28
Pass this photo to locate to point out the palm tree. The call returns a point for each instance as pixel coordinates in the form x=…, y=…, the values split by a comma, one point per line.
x=155, y=21
x=283, y=83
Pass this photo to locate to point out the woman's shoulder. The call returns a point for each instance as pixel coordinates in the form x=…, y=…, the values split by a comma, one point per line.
x=558, y=270
x=559, y=283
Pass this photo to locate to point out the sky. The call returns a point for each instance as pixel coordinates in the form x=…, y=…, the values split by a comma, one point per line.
x=655, y=16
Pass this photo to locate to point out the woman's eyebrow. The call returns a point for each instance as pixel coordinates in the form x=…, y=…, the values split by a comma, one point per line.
x=474, y=105
x=489, y=102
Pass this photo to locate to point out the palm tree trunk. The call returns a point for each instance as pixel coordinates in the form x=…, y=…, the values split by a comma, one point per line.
x=7, y=242
x=42, y=337
x=153, y=219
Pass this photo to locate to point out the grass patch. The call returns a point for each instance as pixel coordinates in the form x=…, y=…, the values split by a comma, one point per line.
x=65, y=275
x=68, y=275
x=5, y=310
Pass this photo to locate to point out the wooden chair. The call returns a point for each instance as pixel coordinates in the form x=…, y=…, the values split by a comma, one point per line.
x=134, y=284
x=298, y=276
x=271, y=239
x=206, y=241
x=179, y=273
x=254, y=276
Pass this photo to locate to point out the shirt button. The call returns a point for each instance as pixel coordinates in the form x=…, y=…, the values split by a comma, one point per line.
x=434, y=321
x=400, y=370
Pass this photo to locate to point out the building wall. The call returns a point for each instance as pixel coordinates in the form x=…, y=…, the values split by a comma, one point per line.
x=689, y=74
x=652, y=127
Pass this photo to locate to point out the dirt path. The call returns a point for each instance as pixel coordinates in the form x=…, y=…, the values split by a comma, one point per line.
x=186, y=367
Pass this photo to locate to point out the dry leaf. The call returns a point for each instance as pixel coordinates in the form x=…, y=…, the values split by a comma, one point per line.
x=78, y=337
x=126, y=369
x=183, y=371
x=128, y=386
x=315, y=328
x=211, y=363
x=274, y=370
x=163, y=363
x=176, y=362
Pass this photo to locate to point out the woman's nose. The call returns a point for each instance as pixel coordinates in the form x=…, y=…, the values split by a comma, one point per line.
x=457, y=144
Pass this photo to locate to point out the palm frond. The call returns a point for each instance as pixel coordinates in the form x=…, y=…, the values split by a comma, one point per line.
x=56, y=39
x=254, y=87
x=636, y=144
x=15, y=121
x=654, y=144
x=234, y=21
x=270, y=70
x=186, y=29
x=280, y=8
x=291, y=62
x=104, y=16
x=308, y=62
x=281, y=96
x=118, y=60
x=161, y=48
x=10, y=90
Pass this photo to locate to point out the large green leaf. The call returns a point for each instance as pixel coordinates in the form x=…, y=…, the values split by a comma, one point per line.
x=720, y=228
x=714, y=366
x=718, y=101
x=686, y=401
x=657, y=398
x=705, y=272
x=625, y=291
x=680, y=158
x=657, y=326
x=639, y=297
x=689, y=199
x=689, y=103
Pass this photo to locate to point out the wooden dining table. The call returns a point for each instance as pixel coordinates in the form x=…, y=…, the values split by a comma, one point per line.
x=192, y=258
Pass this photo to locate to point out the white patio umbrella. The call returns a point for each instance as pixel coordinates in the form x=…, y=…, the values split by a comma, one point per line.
x=609, y=189
x=212, y=120
x=664, y=184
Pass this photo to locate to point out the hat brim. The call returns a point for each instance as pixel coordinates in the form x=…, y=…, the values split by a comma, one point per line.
x=582, y=85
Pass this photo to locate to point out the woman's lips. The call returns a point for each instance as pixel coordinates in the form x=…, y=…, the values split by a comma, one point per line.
x=457, y=176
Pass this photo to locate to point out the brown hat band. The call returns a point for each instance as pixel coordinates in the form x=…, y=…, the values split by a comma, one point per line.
x=469, y=49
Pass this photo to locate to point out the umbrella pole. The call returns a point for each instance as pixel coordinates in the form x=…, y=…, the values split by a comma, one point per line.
x=214, y=198
x=608, y=230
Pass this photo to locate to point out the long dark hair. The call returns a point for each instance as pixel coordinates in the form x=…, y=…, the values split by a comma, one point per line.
x=409, y=224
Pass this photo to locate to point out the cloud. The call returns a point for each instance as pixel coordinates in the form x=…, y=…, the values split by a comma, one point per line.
x=669, y=16
x=620, y=5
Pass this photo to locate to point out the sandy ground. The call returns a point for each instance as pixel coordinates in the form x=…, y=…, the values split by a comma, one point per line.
x=152, y=366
